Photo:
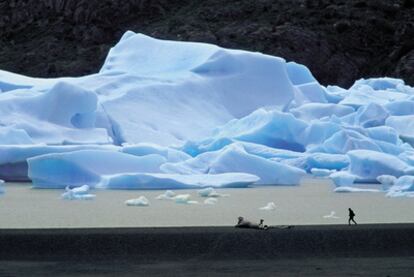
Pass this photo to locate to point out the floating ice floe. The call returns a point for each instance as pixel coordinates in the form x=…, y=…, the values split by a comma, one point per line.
x=141, y=201
x=331, y=215
x=2, y=190
x=354, y=189
x=167, y=195
x=403, y=186
x=167, y=114
x=210, y=192
x=78, y=193
x=184, y=199
x=210, y=201
x=269, y=207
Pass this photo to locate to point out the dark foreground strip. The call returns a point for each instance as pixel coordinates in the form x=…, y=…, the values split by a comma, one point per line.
x=387, y=240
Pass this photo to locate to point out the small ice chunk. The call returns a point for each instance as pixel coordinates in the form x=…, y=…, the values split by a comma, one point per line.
x=184, y=199
x=210, y=201
x=167, y=195
x=141, y=201
x=331, y=215
x=354, y=189
x=78, y=193
x=192, y=202
x=69, y=195
x=269, y=207
x=85, y=196
x=1, y=187
x=79, y=190
x=207, y=192
x=210, y=192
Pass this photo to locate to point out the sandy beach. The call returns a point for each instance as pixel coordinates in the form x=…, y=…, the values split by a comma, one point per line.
x=323, y=250
x=24, y=207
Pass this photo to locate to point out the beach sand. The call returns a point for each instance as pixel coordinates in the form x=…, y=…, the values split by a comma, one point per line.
x=24, y=207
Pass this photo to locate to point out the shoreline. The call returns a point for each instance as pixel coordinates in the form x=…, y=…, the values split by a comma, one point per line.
x=208, y=243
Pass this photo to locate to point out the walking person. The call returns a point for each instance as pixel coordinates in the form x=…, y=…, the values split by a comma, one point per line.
x=351, y=216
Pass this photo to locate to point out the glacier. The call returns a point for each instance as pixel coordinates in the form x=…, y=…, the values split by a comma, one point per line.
x=164, y=114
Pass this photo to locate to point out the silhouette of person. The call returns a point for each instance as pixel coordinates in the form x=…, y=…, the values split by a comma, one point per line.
x=262, y=226
x=351, y=217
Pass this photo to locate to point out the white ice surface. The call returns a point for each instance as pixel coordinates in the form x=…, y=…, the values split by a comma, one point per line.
x=78, y=193
x=141, y=201
x=166, y=114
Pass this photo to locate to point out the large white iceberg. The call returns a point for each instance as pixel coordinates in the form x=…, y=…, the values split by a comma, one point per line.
x=86, y=167
x=165, y=114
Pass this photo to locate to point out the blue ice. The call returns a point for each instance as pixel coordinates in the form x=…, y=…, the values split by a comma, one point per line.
x=165, y=114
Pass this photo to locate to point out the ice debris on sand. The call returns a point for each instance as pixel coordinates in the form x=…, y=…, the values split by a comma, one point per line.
x=210, y=201
x=141, y=201
x=166, y=114
x=78, y=193
x=269, y=207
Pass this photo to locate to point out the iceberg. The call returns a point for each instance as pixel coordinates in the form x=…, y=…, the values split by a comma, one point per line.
x=13, y=158
x=142, y=149
x=222, y=161
x=164, y=114
x=386, y=180
x=81, y=167
x=403, y=185
x=403, y=125
x=177, y=181
x=368, y=165
x=315, y=111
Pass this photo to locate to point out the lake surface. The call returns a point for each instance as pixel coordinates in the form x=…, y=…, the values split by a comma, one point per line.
x=24, y=207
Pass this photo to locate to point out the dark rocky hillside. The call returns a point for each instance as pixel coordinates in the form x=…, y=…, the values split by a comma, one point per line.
x=339, y=40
